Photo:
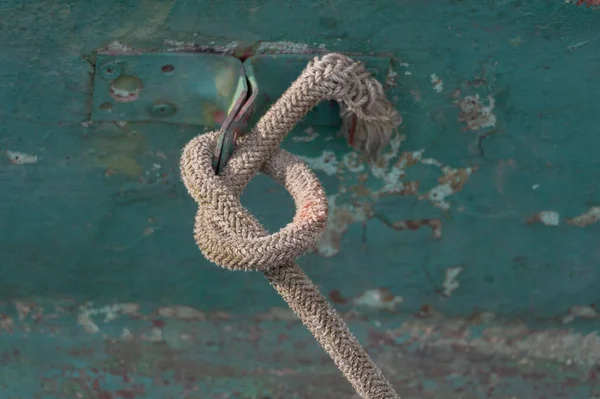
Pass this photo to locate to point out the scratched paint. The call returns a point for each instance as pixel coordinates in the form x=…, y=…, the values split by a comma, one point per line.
x=163, y=353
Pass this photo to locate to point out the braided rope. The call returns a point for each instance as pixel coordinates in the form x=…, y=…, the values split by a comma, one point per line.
x=228, y=235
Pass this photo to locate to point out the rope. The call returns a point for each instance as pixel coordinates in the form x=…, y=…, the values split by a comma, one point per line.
x=228, y=235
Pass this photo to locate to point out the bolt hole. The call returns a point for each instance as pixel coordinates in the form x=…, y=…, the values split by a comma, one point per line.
x=168, y=68
x=106, y=106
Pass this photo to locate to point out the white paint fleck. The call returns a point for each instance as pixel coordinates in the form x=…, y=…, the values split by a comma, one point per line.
x=352, y=163
x=450, y=282
x=110, y=313
x=390, y=80
x=20, y=158
x=180, y=312
x=154, y=335
x=309, y=135
x=431, y=161
x=378, y=299
x=126, y=335
x=326, y=162
x=437, y=195
x=580, y=312
x=438, y=84
x=283, y=47
x=549, y=218
x=85, y=321
x=535, y=186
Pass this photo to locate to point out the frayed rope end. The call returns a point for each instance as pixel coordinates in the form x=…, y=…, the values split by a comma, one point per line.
x=370, y=135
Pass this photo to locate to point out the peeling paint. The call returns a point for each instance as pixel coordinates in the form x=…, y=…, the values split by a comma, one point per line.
x=327, y=162
x=180, y=312
x=378, y=299
x=590, y=217
x=450, y=282
x=476, y=115
x=309, y=135
x=548, y=218
x=437, y=83
x=580, y=312
x=289, y=47
x=20, y=158
x=364, y=181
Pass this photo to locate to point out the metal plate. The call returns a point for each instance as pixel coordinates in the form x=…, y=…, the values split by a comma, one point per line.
x=189, y=88
x=274, y=73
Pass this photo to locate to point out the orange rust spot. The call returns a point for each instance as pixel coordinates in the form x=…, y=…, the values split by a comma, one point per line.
x=434, y=224
x=425, y=311
x=386, y=295
x=336, y=297
x=407, y=159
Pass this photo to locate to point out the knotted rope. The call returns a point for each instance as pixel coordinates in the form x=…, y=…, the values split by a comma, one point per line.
x=228, y=235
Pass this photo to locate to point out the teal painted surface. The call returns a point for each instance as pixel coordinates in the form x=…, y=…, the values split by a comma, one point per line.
x=100, y=215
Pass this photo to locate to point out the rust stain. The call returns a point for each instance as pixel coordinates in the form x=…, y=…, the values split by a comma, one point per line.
x=434, y=224
x=337, y=298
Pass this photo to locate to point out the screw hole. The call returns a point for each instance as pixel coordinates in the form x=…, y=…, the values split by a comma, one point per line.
x=168, y=68
x=106, y=106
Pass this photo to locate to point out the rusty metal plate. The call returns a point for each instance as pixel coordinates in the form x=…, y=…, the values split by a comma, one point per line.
x=274, y=73
x=188, y=88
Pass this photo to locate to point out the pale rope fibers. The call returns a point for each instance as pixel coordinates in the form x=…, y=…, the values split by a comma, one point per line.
x=228, y=235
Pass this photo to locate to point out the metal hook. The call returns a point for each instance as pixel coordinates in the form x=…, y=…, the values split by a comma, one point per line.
x=236, y=122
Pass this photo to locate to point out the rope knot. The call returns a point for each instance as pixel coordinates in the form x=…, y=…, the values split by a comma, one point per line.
x=225, y=231
x=231, y=237
x=228, y=234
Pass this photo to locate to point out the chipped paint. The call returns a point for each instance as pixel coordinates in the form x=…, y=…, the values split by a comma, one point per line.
x=437, y=83
x=326, y=162
x=380, y=298
x=367, y=180
x=107, y=313
x=590, y=217
x=450, y=281
x=308, y=136
x=548, y=218
x=475, y=114
x=340, y=219
x=390, y=78
x=20, y=158
x=180, y=312
x=580, y=312
x=284, y=47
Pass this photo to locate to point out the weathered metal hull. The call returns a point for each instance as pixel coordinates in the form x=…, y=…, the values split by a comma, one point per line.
x=465, y=259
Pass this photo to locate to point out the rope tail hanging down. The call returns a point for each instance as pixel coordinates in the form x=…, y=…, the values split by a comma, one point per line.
x=228, y=235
